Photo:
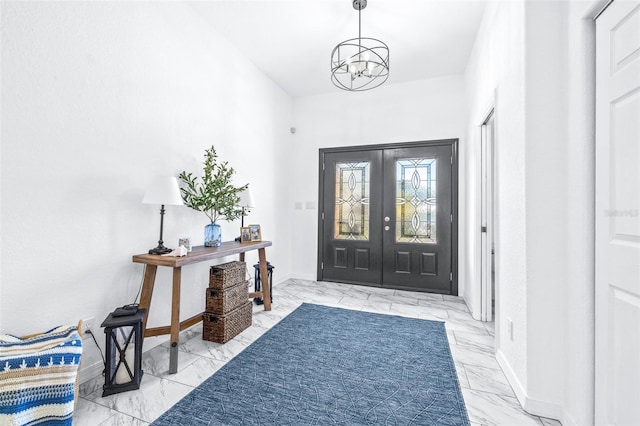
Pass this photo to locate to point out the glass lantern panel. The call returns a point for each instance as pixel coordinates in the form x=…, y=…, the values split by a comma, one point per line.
x=123, y=349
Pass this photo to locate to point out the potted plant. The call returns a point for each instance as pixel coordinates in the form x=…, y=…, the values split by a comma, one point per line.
x=214, y=195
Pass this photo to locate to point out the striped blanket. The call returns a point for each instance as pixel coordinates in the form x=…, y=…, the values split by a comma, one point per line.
x=38, y=377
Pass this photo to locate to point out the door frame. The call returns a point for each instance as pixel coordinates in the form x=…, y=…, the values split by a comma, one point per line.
x=453, y=143
x=487, y=217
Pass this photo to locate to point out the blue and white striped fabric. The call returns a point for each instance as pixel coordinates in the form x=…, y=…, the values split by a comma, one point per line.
x=38, y=377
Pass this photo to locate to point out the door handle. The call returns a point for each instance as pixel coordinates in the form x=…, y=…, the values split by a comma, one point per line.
x=386, y=228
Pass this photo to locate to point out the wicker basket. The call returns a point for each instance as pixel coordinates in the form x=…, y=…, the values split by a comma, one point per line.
x=227, y=275
x=222, y=328
x=224, y=301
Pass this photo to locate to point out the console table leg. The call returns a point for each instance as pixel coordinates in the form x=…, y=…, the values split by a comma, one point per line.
x=266, y=292
x=147, y=291
x=175, y=321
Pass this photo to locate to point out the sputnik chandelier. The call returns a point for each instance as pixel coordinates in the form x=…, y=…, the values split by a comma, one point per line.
x=360, y=63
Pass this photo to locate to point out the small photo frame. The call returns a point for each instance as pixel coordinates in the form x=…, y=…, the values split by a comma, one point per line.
x=186, y=242
x=245, y=234
x=255, y=233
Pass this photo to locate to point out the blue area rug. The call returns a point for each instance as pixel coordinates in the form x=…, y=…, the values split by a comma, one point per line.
x=326, y=366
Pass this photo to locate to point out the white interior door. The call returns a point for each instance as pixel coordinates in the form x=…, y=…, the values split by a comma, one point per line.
x=617, y=337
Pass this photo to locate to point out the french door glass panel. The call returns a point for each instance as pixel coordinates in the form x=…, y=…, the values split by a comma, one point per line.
x=416, y=200
x=351, y=219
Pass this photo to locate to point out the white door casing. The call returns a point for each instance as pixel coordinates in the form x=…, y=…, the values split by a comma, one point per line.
x=617, y=271
x=486, y=218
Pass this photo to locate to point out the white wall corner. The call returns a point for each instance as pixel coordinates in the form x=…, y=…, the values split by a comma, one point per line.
x=531, y=405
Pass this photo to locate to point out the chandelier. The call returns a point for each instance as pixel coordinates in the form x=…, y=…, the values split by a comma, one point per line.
x=359, y=63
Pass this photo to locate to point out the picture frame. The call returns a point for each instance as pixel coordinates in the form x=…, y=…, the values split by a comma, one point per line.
x=255, y=232
x=245, y=234
x=186, y=242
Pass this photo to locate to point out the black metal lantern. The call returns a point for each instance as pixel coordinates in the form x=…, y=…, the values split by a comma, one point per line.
x=123, y=364
x=257, y=282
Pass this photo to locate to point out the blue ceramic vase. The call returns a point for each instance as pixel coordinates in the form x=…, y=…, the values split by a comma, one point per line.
x=212, y=235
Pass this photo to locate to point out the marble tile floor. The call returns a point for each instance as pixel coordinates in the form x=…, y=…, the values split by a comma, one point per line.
x=487, y=394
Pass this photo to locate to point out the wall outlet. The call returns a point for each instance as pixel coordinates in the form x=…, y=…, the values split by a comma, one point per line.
x=510, y=329
x=87, y=326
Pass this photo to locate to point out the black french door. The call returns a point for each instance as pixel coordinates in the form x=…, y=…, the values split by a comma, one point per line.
x=387, y=216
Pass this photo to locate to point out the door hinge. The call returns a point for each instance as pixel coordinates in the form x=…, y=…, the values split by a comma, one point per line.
x=452, y=160
x=322, y=265
x=323, y=165
x=483, y=229
x=322, y=215
x=450, y=277
x=451, y=217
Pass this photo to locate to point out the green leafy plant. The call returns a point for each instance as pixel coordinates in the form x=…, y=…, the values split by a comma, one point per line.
x=214, y=195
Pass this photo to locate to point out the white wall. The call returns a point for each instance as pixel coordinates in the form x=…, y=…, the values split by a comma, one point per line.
x=579, y=305
x=416, y=111
x=547, y=192
x=495, y=76
x=536, y=57
x=98, y=98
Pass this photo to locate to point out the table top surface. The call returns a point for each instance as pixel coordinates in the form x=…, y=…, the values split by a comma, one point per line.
x=201, y=254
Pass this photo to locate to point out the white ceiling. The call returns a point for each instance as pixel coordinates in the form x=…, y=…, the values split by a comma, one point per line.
x=291, y=40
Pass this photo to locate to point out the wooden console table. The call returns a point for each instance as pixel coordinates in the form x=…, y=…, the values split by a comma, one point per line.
x=197, y=255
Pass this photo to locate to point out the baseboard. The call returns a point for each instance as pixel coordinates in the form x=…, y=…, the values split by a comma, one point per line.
x=308, y=277
x=567, y=420
x=91, y=371
x=282, y=278
x=517, y=387
x=544, y=409
x=528, y=404
x=94, y=370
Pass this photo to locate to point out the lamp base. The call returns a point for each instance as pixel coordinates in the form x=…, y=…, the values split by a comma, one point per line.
x=160, y=250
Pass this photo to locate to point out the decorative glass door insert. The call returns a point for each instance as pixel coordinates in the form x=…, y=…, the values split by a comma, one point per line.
x=352, y=201
x=416, y=200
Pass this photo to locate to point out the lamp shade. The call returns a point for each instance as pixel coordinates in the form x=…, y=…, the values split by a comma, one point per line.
x=163, y=190
x=246, y=199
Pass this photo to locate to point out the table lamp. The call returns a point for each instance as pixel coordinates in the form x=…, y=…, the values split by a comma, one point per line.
x=246, y=202
x=164, y=190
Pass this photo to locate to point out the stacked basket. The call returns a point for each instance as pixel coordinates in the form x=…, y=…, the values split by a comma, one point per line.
x=228, y=309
